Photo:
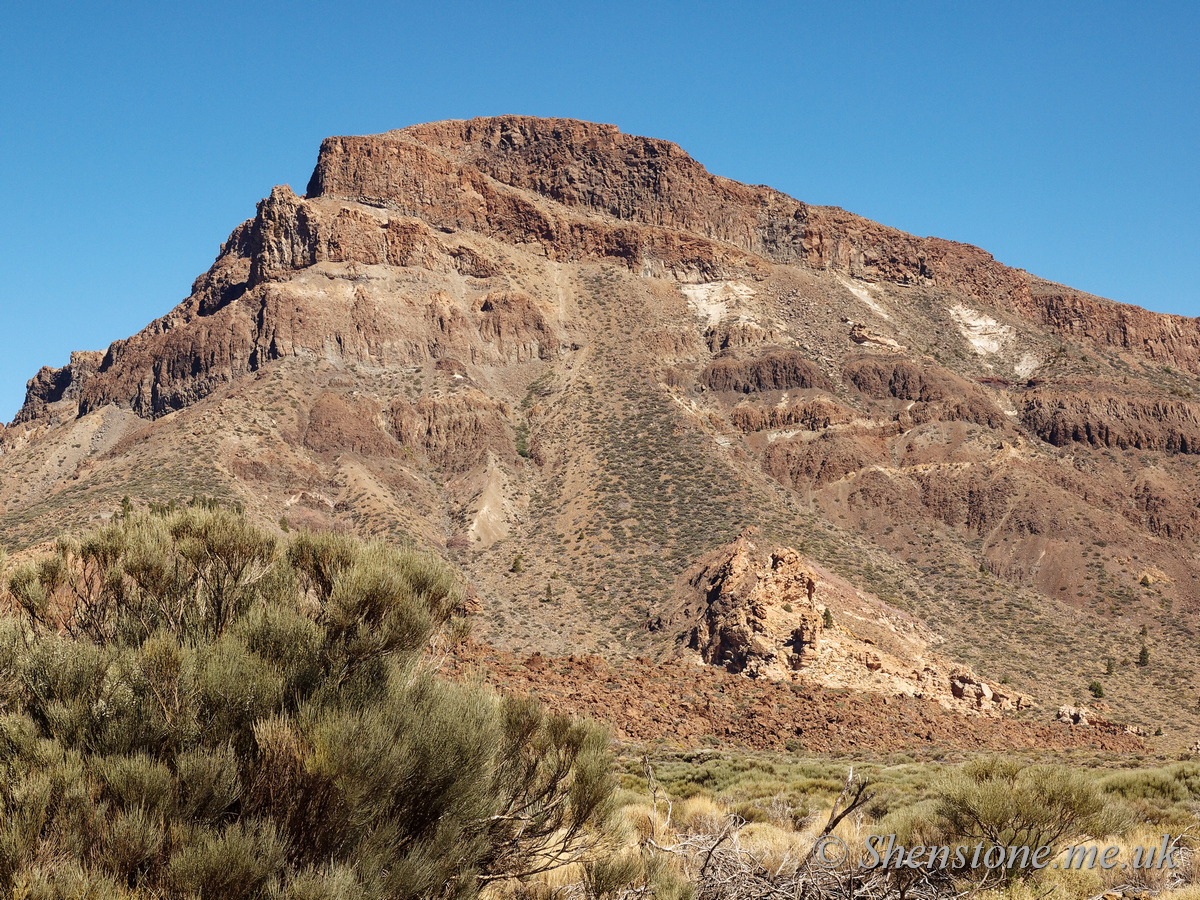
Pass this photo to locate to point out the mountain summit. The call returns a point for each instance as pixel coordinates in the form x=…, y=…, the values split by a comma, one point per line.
x=583, y=368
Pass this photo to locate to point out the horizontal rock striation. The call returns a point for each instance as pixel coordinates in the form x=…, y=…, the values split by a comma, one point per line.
x=1165, y=340
x=575, y=191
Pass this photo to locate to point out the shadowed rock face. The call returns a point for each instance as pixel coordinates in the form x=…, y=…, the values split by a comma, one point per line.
x=775, y=371
x=1103, y=420
x=51, y=386
x=544, y=341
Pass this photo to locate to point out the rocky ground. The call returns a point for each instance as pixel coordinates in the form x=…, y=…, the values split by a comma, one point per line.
x=685, y=705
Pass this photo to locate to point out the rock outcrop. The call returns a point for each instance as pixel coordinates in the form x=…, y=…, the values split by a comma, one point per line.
x=575, y=190
x=757, y=621
x=455, y=433
x=54, y=387
x=1163, y=340
x=1100, y=419
x=778, y=370
x=780, y=617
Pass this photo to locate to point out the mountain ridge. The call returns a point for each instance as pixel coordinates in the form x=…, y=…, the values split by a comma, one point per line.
x=575, y=362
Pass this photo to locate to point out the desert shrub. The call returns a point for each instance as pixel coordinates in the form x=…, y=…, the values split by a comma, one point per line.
x=1001, y=802
x=190, y=708
x=233, y=863
x=1166, y=796
x=635, y=873
x=919, y=825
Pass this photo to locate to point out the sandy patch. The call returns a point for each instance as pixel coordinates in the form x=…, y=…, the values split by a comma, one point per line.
x=491, y=519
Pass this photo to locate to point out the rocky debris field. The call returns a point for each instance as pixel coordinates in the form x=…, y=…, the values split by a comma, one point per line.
x=694, y=706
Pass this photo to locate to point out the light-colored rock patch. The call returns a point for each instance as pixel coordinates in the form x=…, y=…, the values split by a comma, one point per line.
x=491, y=518
x=863, y=292
x=1026, y=365
x=985, y=333
x=713, y=302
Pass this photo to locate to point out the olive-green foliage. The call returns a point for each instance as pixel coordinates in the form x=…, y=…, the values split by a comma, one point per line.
x=1166, y=796
x=649, y=874
x=999, y=801
x=191, y=709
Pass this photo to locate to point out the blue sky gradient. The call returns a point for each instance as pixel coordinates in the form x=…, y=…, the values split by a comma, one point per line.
x=1063, y=138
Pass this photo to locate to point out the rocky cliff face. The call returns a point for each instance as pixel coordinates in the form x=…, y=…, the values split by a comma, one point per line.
x=580, y=365
x=576, y=191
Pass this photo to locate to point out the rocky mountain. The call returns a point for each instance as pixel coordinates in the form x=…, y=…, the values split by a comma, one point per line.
x=639, y=406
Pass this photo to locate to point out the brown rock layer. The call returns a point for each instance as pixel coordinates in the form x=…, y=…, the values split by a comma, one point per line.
x=456, y=432
x=577, y=191
x=798, y=461
x=779, y=370
x=1162, y=339
x=815, y=414
x=1062, y=417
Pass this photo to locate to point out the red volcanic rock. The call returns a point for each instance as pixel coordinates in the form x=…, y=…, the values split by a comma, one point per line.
x=455, y=432
x=577, y=191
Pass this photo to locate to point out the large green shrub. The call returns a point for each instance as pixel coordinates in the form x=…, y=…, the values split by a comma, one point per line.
x=999, y=801
x=191, y=709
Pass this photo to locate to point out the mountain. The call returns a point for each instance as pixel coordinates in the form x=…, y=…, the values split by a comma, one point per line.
x=595, y=377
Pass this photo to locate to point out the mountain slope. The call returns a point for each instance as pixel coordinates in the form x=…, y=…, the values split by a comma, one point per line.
x=575, y=362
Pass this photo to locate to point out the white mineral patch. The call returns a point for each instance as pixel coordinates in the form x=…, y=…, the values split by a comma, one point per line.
x=1027, y=365
x=863, y=293
x=985, y=333
x=713, y=301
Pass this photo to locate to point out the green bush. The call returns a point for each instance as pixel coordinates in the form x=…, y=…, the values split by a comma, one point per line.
x=191, y=708
x=1001, y=802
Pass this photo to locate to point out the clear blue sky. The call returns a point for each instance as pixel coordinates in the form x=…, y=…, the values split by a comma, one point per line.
x=1062, y=137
